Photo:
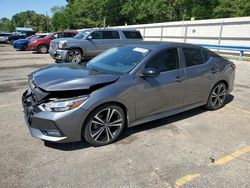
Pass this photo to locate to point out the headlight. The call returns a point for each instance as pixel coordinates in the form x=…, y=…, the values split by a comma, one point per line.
x=62, y=44
x=62, y=105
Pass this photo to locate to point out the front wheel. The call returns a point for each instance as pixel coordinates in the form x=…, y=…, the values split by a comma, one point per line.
x=74, y=56
x=104, y=125
x=24, y=47
x=217, y=96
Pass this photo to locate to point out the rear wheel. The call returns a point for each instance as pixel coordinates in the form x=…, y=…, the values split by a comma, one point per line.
x=217, y=96
x=104, y=125
x=74, y=56
x=42, y=48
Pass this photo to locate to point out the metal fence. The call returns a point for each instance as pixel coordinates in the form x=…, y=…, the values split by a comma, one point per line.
x=228, y=31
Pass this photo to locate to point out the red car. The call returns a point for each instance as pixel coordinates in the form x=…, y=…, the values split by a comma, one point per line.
x=42, y=45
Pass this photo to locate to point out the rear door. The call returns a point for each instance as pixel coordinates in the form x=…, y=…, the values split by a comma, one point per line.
x=164, y=92
x=201, y=73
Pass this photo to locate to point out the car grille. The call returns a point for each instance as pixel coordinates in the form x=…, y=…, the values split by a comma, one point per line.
x=53, y=46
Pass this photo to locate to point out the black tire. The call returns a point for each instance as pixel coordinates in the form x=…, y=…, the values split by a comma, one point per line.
x=24, y=47
x=42, y=48
x=74, y=56
x=100, y=128
x=12, y=41
x=217, y=96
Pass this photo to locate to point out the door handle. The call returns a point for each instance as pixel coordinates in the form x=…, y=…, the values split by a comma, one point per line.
x=179, y=79
x=214, y=70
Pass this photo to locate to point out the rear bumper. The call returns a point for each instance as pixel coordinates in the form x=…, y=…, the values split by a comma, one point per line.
x=231, y=82
x=59, y=55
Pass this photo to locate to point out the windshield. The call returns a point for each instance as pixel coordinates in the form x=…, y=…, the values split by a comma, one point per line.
x=81, y=34
x=119, y=60
x=38, y=36
x=49, y=35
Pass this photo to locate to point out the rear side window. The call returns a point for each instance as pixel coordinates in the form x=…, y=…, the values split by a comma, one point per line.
x=96, y=35
x=110, y=35
x=206, y=56
x=132, y=34
x=166, y=60
x=69, y=35
x=193, y=56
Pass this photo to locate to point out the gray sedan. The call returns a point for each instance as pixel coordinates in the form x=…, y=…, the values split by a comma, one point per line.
x=124, y=86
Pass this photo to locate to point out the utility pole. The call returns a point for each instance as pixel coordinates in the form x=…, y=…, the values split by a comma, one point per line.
x=104, y=22
x=47, y=24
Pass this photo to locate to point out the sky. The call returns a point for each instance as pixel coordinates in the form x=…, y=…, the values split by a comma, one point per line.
x=9, y=8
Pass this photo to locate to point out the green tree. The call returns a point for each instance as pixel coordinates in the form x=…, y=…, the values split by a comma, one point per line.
x=149, y=11
x=6, y=25
x=198, y=9
x=232, y=8
x=30, y=19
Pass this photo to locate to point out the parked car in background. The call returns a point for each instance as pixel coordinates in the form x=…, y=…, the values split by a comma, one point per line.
x=42, y=45
x=125, y=86
x=17, y=35
x=89, y=43
x=4, y=37
x=22, y=44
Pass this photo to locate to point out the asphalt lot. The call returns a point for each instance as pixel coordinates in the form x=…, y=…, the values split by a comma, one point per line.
x=198, y=148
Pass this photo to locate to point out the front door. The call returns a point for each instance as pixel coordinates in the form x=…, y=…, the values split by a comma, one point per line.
x=94, y=44
x=164, y=92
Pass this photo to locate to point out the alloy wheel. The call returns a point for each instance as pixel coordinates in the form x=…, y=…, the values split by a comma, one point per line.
x=43, y=49
x=74, y=56
x=218, y=95
x=106, y=125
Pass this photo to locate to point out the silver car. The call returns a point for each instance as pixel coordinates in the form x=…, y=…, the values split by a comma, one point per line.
x=124, y=86
x=89, y=43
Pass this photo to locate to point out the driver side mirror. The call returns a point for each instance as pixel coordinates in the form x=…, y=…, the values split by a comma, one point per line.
x=150, y=72
x=89, y=37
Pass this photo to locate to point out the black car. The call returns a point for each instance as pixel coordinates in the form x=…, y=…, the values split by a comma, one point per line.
x=16, y=36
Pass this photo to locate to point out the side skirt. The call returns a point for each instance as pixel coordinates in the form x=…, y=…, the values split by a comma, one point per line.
x=165, y=114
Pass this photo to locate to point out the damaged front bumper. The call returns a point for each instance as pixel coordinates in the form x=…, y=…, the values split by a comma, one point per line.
x=58, y=55
x=60, y=127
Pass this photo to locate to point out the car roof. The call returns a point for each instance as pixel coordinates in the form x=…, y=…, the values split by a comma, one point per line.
x=158, y=44
x=111, y=29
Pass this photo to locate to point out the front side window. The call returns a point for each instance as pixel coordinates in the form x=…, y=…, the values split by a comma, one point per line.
x=81, y=34
x=165, y=61
x=193, y=56
x=96, y=35
x=110, y=35
x=55, y=36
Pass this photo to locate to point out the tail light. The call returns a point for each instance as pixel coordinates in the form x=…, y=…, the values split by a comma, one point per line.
x=233, y=66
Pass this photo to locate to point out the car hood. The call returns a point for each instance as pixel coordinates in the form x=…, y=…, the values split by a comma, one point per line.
x=70, y=76
x=65, y=39
x=22, y=41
